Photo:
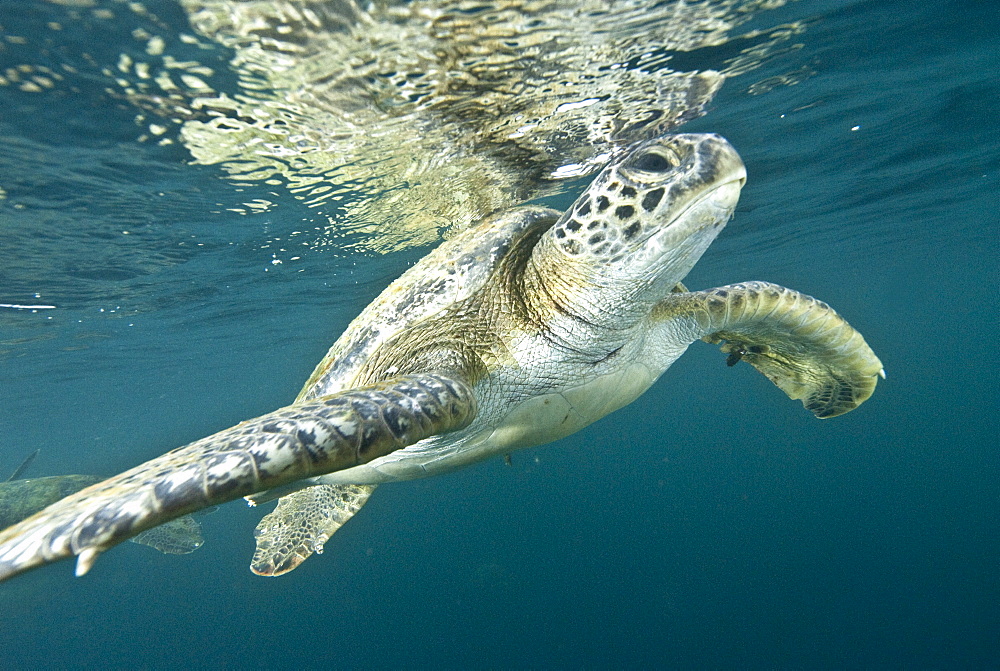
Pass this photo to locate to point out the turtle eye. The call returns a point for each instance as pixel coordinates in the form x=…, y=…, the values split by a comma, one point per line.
x=653, y=162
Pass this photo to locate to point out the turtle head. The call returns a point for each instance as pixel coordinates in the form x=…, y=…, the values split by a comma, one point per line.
x=643, y=223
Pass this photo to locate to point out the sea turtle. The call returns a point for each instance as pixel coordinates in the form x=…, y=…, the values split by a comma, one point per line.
x=22, y=498
x=518, y=332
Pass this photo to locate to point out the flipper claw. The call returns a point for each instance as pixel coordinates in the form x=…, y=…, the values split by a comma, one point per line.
x=85, y=560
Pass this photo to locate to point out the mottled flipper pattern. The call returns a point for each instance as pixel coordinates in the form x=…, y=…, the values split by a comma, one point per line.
x=302, y=523
x=20, y=499
x=302, y=440
x=176, y=537
x=801, y=344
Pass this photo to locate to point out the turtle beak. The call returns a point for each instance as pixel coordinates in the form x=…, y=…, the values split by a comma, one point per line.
x=713, y=160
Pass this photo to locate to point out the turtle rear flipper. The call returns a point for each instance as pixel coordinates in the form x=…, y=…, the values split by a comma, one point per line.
x=801, y=344
x=302, y=523
x=177, y=537
x=302, y=440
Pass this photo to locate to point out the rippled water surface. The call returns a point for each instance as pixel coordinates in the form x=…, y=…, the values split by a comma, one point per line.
x=197, y=197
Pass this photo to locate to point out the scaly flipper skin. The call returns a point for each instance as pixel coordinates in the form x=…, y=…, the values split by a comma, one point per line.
x=20, y=499
x=301, y=440
x=180, y=536
x=801, y=344
x=302, y=523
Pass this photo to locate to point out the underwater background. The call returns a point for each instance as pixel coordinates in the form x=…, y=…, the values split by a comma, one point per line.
x=712, y=523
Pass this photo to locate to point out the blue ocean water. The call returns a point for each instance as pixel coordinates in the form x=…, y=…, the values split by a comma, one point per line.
x=713, y=523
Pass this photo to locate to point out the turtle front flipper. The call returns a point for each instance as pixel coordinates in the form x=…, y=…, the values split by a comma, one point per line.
x=801, y=344
x=302, y=523
x=299, y=441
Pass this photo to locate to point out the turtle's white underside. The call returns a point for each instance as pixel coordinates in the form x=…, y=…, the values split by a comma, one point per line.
x=536, y=420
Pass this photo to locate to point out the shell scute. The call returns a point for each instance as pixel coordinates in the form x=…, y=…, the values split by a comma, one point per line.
x=453, y=272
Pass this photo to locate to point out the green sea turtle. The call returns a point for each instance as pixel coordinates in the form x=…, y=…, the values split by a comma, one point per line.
x=22, y=498
x=518, y=332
